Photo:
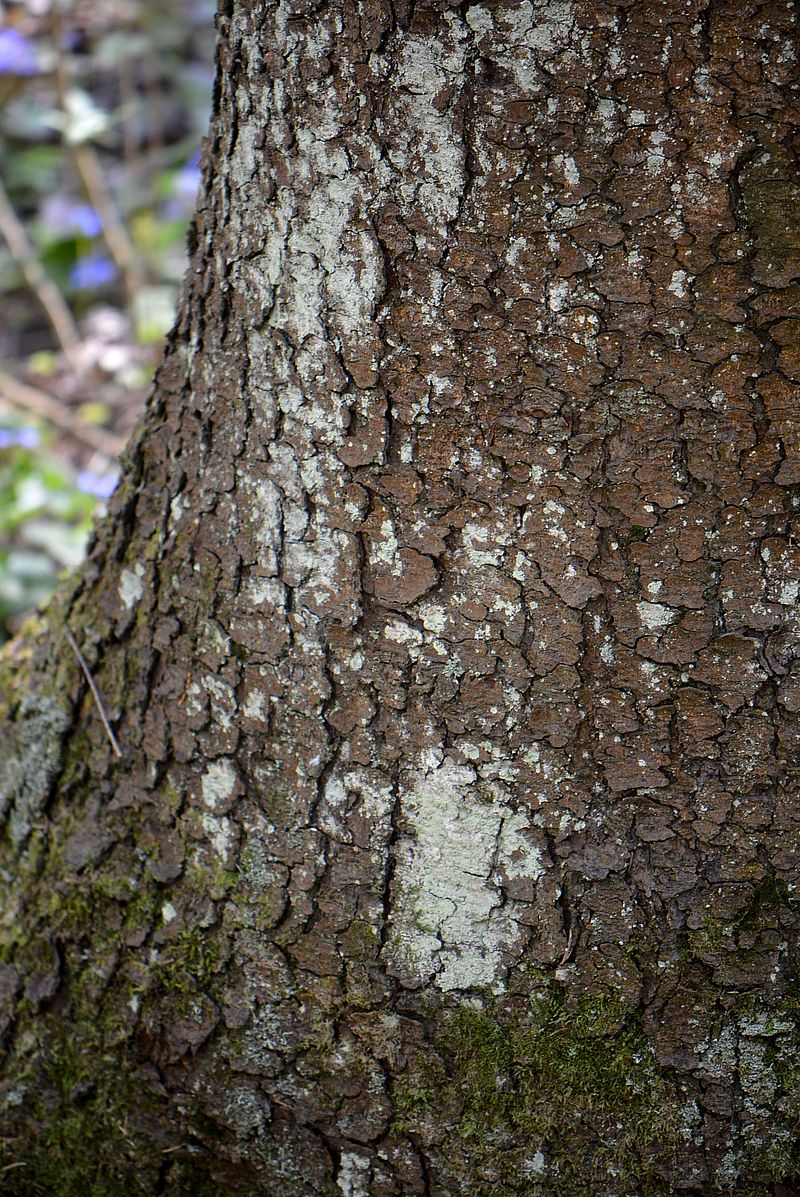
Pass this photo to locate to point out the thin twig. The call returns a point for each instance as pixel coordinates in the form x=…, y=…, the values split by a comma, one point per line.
x=27, y=398
x=95, y=692
x=115, y=234
x=94, y=181
x=129, y=108
x=567, y=949
x=43, y=287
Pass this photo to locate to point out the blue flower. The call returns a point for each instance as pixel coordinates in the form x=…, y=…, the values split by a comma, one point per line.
x=92, y=271
x=28, y=438
x=185, y=184
x=86, y=219
x=187, y=180
x=24, y=438
x=17, y=54
x=99, y=485
x=62, y=216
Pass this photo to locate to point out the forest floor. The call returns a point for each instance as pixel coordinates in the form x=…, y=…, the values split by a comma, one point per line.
x=103, y=108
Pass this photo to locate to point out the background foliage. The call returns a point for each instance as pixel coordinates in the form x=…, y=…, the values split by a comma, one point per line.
x=102, y=110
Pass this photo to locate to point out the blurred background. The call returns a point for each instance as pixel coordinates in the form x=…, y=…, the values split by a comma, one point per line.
x=103, y=106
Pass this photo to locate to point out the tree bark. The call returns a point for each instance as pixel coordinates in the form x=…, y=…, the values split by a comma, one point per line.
x=447, y=620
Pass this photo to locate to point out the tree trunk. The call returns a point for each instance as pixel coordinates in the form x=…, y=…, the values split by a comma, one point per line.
x=446, y=618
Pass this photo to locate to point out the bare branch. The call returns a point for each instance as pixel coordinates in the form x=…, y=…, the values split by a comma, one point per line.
x=43, y=287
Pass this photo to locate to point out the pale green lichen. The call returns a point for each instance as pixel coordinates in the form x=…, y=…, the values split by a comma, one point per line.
x=31, y=755
x=449, y=920
x=218, y=783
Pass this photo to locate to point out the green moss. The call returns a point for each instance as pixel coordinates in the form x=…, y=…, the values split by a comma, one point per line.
x=77, y=1137
x=189, y=968
x=279, y=805
x=718, y=938
x=418, y=1094
x=637, y=532
x=576, y=1085
x=191, y=953
x=88, y=1130
x=212, y=881
x=769, y=192
x=362, y=940
x=170, y=798
x=85, y=1122
x=71, y=911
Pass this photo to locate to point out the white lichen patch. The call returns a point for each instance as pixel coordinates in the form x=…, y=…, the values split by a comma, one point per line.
x=532, y=32
x=353, y=802
x=222, y=835
x=516, y=856
x=559, y=295
x=535, y=1165
x=480, y=19
x=222, y=700
x=261, y=498
x=655, y=616
x=677, y=284
x=256, y=705
x=337, y=259
x=431, y=164
x=788, y=593
x=353, y=1175
x=568, y=167
x=325, y=568
x=484, y=545
x=433, y=617
x=195, y=700
x=219, y=783
x=131, y=586
x=400, y=632
x=448, y=921
x=333, y=810
x=654, y=157
x=384, y=548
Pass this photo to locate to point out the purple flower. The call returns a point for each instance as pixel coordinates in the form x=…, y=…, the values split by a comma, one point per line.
x=86, y=220
x=92, y=271
x=17, y=54
x=187, y=179
x=99, y=485
x=28, y=438
x=24, y=438
x=185, y=183
x=62, y=216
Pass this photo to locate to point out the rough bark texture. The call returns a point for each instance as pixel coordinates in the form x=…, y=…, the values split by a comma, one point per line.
x=447, y=616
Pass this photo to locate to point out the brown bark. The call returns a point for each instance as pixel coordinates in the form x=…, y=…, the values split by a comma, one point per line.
x=447, y=619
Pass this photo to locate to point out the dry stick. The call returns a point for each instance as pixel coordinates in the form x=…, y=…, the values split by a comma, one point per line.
x=95, y=692
x=114, y=232
x=47, y=407
x=98, y=192
x=129, y=107
x=43, y=287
